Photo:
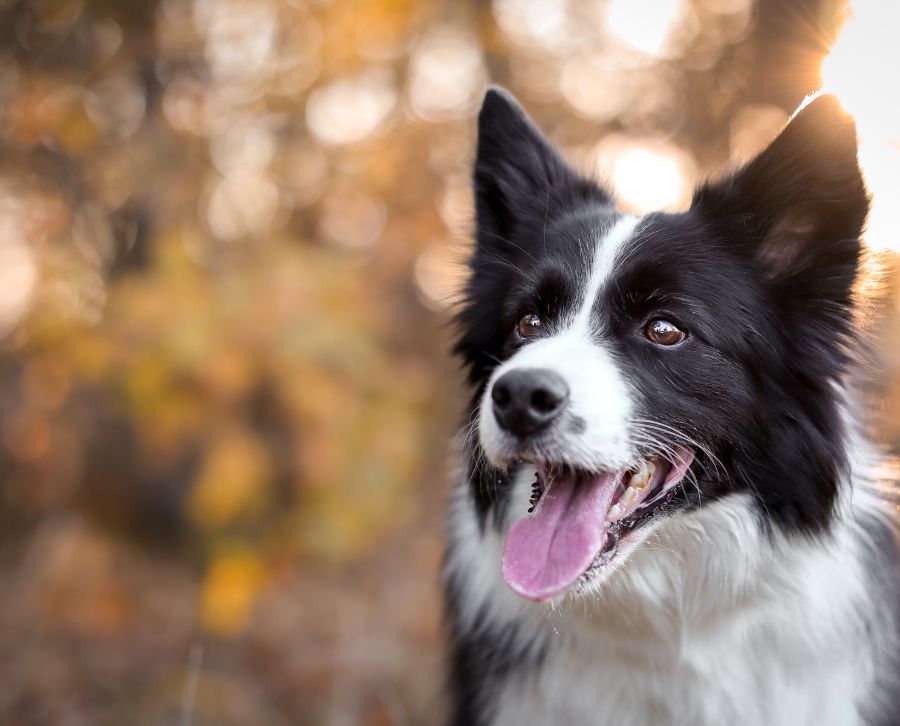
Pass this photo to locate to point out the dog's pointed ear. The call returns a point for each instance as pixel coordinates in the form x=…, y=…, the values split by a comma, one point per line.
x=522, y=185
x=798, y=209
x=519, y=176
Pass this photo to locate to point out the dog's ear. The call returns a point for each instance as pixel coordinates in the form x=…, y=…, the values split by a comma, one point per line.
x=798, y=209
x=522, y=184
x=519, y=176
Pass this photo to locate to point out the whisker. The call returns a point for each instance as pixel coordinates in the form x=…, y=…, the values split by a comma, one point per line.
x=481, y=230
x=650, y=427
x=495, y=260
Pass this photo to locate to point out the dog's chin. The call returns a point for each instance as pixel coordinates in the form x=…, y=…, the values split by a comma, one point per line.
x=582, y=524
x=592, y=580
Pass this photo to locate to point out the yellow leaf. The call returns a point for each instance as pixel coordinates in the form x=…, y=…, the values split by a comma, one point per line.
x=230, y=589
x=233, y=481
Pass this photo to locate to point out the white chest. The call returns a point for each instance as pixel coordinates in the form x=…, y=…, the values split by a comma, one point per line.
x=752, y=676
x=709, y=626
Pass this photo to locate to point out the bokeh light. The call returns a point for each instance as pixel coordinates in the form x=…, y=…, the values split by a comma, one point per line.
x=350, y=109
x=240, y=40
x=117, y=104
x=595, y=86
x=538, y=23
x=447, y=75
x=352, y=219
x=438, y=274
x=18, y=274
x=646, y=174
x=242, y=204
x=651, y=30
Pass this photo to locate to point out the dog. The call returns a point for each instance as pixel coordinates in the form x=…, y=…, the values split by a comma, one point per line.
x=667, y=509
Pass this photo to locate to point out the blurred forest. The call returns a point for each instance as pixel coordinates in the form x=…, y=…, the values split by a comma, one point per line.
x=230, y=239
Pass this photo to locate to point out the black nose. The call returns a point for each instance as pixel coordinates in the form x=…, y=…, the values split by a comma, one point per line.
x=526, y=400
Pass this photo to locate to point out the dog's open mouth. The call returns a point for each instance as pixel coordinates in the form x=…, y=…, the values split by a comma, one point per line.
x=577, y=518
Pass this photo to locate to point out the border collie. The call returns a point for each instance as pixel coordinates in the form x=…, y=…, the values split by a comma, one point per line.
x=667, y=511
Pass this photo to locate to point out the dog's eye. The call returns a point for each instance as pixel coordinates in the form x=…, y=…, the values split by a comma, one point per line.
x=529, y=325
x=662, y=332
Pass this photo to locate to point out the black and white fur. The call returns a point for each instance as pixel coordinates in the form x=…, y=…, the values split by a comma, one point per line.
x=767, y=590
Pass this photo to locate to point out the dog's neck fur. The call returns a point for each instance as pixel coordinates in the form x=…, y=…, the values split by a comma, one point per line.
x=713, y=617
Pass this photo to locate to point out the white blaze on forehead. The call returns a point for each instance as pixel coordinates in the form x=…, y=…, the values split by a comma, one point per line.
x=605, y=259
x=600, y=397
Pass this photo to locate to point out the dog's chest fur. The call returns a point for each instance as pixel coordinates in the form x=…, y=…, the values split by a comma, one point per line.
x=736, y=678
x=710, y=622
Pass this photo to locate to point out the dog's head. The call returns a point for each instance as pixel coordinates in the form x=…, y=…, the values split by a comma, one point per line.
x=644, y=365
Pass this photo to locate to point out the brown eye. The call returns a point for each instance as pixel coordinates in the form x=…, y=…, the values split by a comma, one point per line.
x=662, y=332
x=529, y=325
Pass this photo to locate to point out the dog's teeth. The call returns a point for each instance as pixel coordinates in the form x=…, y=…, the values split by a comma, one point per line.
x=644, y=475
x=638, y=481
x=615, y=511
x=629, y=496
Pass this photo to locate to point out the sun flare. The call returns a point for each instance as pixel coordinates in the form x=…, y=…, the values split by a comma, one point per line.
x=861, y=70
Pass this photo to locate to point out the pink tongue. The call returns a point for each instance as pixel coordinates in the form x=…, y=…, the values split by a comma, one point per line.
x=547, y=551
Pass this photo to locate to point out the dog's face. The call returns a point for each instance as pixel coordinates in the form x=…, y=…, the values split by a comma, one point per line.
x=638, y=367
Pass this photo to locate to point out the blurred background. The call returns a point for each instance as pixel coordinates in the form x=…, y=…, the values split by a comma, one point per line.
x=230, y=240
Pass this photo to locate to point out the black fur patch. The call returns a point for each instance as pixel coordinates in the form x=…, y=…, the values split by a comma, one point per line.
x=480, y=658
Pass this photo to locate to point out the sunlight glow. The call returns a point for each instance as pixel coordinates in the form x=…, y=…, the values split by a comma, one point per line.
x=645, y=29
x=861, y=69
x=351, y=109
x=18, y=275
x=447, y=74
x=647, y=174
